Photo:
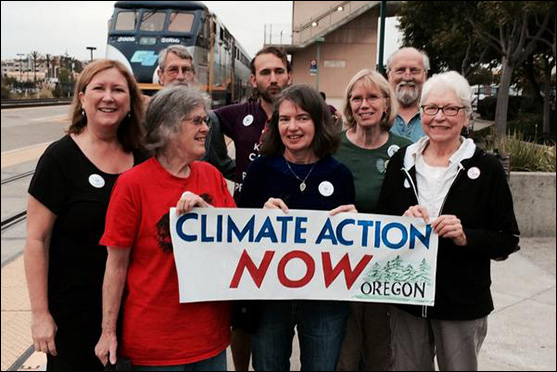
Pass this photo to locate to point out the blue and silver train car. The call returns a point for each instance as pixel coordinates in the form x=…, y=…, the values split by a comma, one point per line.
x=138, y=30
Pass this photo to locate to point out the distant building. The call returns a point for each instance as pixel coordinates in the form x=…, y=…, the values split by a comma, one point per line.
x=330, y=41
x=22, y=69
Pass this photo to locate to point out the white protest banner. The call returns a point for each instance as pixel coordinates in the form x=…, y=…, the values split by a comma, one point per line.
x=232, y=254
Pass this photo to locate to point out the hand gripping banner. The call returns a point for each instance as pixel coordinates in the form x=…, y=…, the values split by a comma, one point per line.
x=233, y=254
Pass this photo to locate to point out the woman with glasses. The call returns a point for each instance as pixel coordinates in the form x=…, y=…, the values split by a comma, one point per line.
x=370, y=108
x=463, y=192
x=159, y=333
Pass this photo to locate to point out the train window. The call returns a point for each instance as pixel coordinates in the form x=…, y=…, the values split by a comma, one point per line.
x=152, y=21
x=180, y=22
x=125, y=21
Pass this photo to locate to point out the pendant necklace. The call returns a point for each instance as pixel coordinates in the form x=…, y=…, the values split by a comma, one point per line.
x=303, y=181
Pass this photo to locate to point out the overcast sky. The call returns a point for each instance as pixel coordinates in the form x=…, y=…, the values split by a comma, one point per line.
x=57, y=27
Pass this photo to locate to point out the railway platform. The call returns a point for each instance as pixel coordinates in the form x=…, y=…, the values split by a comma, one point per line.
x=521, y=335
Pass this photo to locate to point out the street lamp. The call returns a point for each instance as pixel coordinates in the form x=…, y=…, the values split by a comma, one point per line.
x=91, y=48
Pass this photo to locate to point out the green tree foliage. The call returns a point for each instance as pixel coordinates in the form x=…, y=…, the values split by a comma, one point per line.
x=439, y=28
x=466, y=35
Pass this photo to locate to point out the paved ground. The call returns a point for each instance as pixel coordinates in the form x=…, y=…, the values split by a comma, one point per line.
x=521, y=334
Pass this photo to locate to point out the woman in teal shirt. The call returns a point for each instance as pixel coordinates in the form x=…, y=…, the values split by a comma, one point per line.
x=367, y=145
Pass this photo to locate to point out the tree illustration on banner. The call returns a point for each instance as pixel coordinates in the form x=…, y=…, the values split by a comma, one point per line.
x=397, y=270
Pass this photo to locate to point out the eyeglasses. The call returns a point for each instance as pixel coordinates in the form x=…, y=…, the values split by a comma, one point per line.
x=198, y=120
x=447, y=110
x=414, y=71
x=175, y=70
x=358, y=100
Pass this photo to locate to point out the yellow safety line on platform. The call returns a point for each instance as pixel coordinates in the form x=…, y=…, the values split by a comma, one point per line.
x=18, y=156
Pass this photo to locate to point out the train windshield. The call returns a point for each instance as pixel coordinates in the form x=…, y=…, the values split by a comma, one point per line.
x=154, y=21
x=126, y=21
x=180, y=22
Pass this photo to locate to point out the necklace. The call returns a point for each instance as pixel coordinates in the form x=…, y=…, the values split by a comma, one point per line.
x=303, y=181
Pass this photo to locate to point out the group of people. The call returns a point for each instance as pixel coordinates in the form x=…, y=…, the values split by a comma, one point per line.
x=99, y=259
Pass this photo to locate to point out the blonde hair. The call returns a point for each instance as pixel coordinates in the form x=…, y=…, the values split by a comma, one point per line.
x=368, y=79
x=130, y=131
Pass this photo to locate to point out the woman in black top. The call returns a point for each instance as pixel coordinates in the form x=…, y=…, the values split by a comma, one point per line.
x=462, y=191
x=298, y=172
x=69, y=195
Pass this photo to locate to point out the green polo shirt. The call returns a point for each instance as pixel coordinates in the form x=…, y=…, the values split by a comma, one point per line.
x=368, y=168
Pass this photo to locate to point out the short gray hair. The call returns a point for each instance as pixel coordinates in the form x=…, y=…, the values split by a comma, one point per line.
x=180, y=50
x=425, y=58
x=165, y=113
x=453, y=81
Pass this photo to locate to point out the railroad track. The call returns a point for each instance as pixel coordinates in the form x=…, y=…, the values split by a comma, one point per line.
x=17, y=177
x=22, y=215
x=34, y=102
x=14, y=220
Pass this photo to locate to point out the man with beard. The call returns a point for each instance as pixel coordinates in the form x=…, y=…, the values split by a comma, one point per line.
x=176, y=68
x=407, y=72
x=245, y=123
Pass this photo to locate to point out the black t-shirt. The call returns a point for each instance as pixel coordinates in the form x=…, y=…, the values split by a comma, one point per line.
x=73, y=188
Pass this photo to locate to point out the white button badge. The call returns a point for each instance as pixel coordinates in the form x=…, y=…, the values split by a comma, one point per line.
x=96, y=181
x=473, y=173
x=248, y=120
x=326, y=188
x=392, y=150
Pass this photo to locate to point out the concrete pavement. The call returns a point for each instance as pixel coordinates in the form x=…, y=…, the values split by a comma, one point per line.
x=521, y=335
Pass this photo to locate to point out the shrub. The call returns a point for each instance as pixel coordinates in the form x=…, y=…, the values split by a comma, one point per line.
x=527, y=156
x=526, y=125
x=5, y=92
x=45, y=93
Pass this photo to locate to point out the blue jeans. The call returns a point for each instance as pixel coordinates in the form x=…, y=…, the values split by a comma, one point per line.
x=321, y=326
x=216, y=363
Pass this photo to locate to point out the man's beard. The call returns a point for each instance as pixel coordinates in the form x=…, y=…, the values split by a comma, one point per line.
x=407, y=97
x=268, y=96
x=184, y=82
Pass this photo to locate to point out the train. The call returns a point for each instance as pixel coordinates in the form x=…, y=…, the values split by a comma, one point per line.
x=139, y=30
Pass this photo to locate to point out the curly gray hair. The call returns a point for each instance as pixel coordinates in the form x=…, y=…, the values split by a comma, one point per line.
x=165, y=113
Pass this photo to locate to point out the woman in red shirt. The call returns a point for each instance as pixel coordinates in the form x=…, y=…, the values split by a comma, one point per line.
x=157, y=331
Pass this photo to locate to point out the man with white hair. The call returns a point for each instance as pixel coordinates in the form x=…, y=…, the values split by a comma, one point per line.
x=407, y=72
x=176, y=68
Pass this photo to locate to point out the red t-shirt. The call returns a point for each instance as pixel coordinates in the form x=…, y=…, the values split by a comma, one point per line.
x=157, y=329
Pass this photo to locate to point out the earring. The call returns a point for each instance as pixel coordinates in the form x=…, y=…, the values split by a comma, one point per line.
x=129, y=114
x=83, y=113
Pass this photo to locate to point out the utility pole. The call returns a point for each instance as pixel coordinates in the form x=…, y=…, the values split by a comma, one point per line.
x=318, y=42
x=91, y=48
x=382, y=38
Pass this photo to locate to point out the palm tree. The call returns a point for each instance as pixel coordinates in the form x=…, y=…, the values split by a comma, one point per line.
x=37, y=61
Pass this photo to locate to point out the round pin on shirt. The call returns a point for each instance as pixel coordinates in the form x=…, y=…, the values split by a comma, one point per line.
x=96, y=181
x=474, y=173
x=326, y=188
x=392, y=150
x=248, y=120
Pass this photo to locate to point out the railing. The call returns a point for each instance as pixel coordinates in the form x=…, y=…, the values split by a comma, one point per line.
x=278, y=34
x=316, y=26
